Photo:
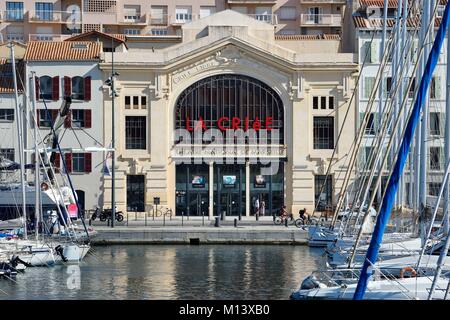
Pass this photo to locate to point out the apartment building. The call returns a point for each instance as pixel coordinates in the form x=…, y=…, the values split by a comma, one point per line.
x=70, y=68
x=52, y=20
x=367, y=21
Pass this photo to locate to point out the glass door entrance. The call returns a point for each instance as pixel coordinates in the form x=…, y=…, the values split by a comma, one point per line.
x=229, y=203
x=198, y=204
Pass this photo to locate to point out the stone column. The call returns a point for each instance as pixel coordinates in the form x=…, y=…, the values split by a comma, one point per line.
x=247, y=189
x=211, y=189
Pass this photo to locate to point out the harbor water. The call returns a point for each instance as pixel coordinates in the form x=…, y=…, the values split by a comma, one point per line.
x=172, y=272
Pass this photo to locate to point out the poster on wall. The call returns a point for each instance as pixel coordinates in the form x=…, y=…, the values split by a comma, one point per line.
x=198, y=181
x=229, y=181
x=260, y=181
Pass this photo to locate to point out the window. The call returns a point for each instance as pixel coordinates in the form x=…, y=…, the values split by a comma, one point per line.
x=435, y=158
x=45, y=88
x=44, y=11
x=435, y=124
x=6, y=114
x=183, y=14
x=131, y=31
x=46, y=117
x=127, y=102
x=135, y=132
x=435, y=88
x=434, y=188
x=370, y=125
x=14, y=11
x=287, y=13
x=135, y=102
x=323, y=132
x=263, y=14
x=78, y=118
x=388, y=86
x=159, y=15
x=315, y=15
x=7, y=154
x=160, y=32
x=143, y=102
x=330, y=102
x=315, y=102
x=136, y=193
x=367, y=154
x=132, y=13
x=78, y=88
x=323, y=191
x=78, y=162
x=323, y=102
x=207, y=11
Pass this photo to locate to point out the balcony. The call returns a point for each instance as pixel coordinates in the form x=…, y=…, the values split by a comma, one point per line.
x=12, y=15
x=47, y=37
x=133, y=18
x=15, y=37
x=160, y=20
x=269, y=18
x=323, y=1
x=181, y=18
x=252, y=2
x=320, y=20
x=42, y=16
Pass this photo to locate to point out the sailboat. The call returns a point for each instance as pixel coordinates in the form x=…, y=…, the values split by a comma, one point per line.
x=57, y=239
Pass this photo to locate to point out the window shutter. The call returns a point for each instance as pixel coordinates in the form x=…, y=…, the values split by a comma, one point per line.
x=54, y=115
x=36, y=81
x=68, y=159
x=57, y=164
x=87, y=88
x=88, y=162
x=55, y=88
x=374, y=52
x=67, y=87
x=68, y=120
x=87, y=118
x=437, y=87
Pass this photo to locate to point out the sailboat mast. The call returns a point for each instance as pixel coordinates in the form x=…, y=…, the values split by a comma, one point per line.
x=20, y=141
x=37, y=171
x=380, y=93
x=447, y=138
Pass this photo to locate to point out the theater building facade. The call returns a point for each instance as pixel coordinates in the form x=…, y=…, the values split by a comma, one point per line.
x=229, y=117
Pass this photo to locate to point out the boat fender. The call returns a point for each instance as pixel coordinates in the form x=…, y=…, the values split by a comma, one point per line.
x=407, y=269
x=60, y=251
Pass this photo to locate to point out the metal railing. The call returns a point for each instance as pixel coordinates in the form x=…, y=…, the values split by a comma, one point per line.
x=134, y=18
x=12, y=15
x=321, y=20
x=46, y=37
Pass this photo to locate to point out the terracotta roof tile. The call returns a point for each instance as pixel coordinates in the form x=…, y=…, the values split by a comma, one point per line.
x=83, y=36
x=391, y=3
x=362, y=22
x=63, y=51
x=6, y=78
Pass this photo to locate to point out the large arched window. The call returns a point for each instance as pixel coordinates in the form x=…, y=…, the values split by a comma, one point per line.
x=231, y=102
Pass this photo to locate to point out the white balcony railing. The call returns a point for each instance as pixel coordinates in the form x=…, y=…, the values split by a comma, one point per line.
x=46, y=37
x=181, y=18
x=330, y=20
x=54, y=16
x=15, y=37
x=12, y=15
x=324, y=1
x=269, y=18
x=134, y=18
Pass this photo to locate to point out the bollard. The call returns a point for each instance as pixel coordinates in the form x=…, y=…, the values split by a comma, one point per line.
x=182, y=218
x=127, y=218
x=240, y=216
x=217, y=221
x=235, y=222
x=135, y=216
x=257, y=216
x=273, y=216
x=107, y=222
x=286, y=222
x=164, y=219
x=222, y=215
x=145, y=213
x=153, y=212
x=90, y=222
x=203, y=219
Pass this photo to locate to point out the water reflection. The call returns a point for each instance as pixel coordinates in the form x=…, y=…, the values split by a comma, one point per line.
x=172, y=272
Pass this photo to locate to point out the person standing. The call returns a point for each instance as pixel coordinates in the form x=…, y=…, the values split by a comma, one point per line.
x=257, y=205
x=262, y=210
